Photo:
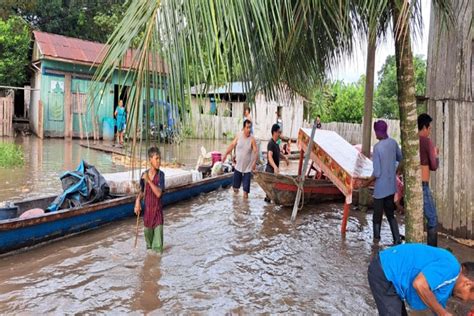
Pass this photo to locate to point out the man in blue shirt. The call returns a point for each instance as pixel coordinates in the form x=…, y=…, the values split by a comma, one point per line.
x=385, y=157
x=420, y=275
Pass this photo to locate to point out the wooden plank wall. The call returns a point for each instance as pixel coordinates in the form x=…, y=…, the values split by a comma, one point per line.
x=452, y=183
x=213, y=126
x=6, y=115
x=449, y=89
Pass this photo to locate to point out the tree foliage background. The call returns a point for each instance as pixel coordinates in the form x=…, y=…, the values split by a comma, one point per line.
x=338, y=101
x=386, y=97
x=14, y=46
x=89, y=20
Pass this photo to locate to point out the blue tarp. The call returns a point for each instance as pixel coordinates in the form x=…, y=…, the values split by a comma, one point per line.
x=82, y=186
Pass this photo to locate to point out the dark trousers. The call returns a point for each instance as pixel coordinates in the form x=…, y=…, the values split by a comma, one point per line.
x=386, y=297
x=386, y=205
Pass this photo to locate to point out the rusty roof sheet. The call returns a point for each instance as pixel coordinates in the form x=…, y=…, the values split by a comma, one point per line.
x=74, y=50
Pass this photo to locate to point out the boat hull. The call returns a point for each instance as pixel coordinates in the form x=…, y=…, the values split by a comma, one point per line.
x=282, y=189
x=20, y=233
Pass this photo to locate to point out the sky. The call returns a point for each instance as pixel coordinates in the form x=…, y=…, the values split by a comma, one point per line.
x=352, y=68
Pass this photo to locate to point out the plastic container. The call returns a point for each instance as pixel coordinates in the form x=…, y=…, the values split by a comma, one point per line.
x=8, y=212
x=108, y=128
x=215, y=157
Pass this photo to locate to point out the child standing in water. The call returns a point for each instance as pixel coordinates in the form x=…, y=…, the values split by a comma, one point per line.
x=152, y=185
x=121, y=117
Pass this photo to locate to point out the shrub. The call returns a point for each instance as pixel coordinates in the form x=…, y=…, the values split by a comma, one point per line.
x=11, y=155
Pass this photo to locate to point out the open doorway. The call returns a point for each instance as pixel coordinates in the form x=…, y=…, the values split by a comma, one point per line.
x=19, y=102
x=120, y=93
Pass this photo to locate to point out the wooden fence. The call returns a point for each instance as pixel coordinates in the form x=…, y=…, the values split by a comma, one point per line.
x=450, y=92
x=353, y=132
x=6, y=115
x=213, y=127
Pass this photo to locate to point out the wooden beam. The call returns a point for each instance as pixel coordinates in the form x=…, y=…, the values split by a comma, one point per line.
x=40, y=119
x=67, y=106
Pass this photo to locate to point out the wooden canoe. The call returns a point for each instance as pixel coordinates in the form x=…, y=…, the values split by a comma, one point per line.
x=20, y=233
x=282, y=189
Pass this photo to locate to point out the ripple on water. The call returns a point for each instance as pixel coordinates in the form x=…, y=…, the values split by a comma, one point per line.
x=221, y=254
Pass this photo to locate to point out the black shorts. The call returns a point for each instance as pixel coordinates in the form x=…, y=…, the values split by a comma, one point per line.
x=242, y=179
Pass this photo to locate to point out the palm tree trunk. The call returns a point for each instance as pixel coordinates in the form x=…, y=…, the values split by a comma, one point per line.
x=368, y=105
x=408, y=127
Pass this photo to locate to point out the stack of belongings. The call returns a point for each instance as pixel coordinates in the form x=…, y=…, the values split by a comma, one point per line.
x=85, y=185
x=128, y=182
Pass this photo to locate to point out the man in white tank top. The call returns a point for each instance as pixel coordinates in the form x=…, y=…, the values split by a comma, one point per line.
x=246, y=158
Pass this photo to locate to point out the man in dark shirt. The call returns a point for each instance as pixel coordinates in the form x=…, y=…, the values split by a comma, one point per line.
x=429, y=162
x=273, y=151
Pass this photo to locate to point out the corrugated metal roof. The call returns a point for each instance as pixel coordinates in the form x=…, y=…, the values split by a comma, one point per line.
x=74, y=50
x=237, y=87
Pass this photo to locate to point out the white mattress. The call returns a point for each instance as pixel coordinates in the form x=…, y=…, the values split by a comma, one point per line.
x=129, y=182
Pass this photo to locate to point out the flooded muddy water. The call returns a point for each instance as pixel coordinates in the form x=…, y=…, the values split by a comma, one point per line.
x=47, y=159
x=222, y=254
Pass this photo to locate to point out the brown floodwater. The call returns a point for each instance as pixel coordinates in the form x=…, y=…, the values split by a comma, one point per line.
x=47, y=159
x=222, y=254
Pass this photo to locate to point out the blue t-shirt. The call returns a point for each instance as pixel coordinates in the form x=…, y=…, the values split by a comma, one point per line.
x=385, y=157
x=403, y=263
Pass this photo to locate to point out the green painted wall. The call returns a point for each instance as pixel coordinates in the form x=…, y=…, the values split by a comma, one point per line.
x=52, y=95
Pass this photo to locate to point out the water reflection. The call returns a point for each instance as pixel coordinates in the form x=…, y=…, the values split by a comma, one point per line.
x=146, y=298
x=222, y=254
x=46, y=159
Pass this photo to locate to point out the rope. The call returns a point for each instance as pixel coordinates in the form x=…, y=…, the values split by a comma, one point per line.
x=299, y=186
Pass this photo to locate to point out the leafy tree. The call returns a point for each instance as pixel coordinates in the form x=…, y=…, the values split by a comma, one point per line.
x=386, y=96
x=90, y=20
x=14, y=46
x=339, y=101
x=347, y=102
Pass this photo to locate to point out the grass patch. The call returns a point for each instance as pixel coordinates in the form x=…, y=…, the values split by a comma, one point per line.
x=11, y=155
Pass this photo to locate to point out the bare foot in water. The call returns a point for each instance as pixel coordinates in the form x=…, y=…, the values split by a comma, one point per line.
x=246, y=195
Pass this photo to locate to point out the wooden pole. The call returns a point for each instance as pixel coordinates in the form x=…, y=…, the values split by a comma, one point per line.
x=300, y=165
x=136, y=233
x=345, y=216
x=303, y=172
x=2, y=107
x=67, y=106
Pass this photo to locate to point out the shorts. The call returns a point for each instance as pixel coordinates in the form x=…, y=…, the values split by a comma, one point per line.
x=242, y=179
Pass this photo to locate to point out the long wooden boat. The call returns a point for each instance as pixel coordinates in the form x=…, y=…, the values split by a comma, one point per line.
x=282, y=189
x=20, y=233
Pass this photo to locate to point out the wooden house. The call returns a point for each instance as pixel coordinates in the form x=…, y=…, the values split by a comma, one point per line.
x=450, y=103
x=218, y=111
x=61, y=105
